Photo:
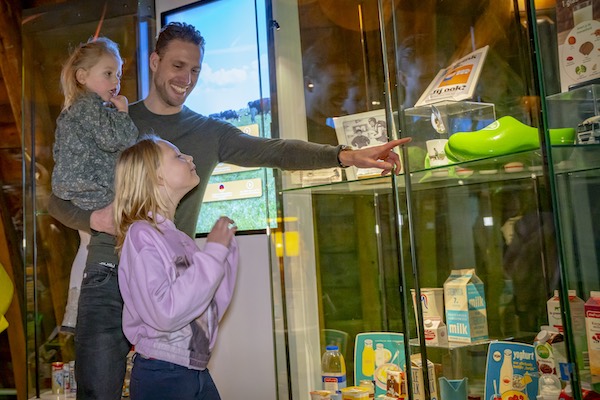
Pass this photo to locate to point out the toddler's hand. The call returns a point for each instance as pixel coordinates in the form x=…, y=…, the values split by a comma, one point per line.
x=222, y=231
x=121, y=103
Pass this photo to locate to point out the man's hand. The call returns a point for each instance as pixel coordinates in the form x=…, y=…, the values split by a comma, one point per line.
x=102, y=220
x=382, y=156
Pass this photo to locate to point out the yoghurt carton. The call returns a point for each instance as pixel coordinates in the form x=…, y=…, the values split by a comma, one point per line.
x=466, y=314
x=432, y=302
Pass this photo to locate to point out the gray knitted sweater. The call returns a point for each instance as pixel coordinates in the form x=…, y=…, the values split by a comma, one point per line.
x=89, y=137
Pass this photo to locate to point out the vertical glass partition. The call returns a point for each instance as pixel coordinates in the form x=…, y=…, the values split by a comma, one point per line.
x=49, y=34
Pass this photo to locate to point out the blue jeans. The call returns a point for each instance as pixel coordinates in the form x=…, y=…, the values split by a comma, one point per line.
x=100, y=345
x=161, y=380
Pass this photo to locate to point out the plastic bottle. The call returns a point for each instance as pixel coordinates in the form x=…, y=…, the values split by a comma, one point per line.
x=333, y=369
x=368, y=359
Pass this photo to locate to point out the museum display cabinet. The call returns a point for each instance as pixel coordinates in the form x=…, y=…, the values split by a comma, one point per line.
x=477, y=259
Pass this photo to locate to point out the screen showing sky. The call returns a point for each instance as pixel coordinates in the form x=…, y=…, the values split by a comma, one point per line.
x=230, y=70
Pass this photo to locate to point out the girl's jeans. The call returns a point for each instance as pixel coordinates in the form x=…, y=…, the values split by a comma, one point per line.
x=161, y=380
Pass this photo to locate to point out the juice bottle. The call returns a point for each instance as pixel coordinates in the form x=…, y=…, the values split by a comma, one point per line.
x=368, y=359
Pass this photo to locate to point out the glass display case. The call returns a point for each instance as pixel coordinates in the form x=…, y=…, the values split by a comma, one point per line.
x=49, y=33
x=479, y=260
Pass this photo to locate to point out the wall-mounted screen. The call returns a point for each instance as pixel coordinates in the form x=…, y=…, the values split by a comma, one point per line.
x=233, y=86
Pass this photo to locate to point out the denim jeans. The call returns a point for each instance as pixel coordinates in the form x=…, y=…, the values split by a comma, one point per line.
x=100, y=345
x=161, y=380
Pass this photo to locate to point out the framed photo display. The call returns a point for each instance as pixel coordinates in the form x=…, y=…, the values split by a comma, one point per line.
x=362, y=130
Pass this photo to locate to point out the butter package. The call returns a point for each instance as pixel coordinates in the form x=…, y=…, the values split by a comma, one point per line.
x=466, y=314
x=320, y=395
x=354, y=392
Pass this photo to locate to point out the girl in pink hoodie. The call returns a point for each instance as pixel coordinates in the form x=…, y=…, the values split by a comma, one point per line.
x=174, y=294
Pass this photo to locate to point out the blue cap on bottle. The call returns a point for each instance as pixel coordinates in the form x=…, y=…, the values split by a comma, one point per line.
x=332, y=347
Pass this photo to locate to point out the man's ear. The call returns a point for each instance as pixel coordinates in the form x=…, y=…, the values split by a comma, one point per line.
x=80, y=75
x=154, y=60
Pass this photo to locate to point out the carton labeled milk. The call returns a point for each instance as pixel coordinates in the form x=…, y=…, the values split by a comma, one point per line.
x=592, y=328
x=466, y=314
x=417, y=378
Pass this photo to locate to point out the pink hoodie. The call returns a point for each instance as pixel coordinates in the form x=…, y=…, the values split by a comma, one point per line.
x=174, y=294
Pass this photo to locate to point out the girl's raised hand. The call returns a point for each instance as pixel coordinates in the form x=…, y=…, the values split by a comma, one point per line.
x=222, y=231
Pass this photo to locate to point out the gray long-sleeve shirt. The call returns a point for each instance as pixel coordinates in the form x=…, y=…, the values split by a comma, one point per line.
x=209, y=141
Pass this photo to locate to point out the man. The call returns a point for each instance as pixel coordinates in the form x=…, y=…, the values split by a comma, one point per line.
x=327, y=77
x=100, y=346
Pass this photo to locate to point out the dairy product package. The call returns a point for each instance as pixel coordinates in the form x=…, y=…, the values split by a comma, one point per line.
x=436, y=333
x=576, y=308
x=320, y=395
x=432, y=303
x=395, y=385
x=418, y=385
x=592, y=329
x=354, y=392
x=550, y=351
x=466, y=314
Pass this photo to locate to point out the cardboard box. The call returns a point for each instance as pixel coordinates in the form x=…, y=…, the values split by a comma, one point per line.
x=466, y=314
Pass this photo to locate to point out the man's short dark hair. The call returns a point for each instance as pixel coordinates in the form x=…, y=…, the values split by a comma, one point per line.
x=178, y=31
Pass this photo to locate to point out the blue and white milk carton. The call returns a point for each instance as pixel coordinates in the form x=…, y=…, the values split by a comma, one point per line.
x=466, y=315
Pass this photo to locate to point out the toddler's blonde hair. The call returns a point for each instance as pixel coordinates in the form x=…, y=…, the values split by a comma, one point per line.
x=85, y=56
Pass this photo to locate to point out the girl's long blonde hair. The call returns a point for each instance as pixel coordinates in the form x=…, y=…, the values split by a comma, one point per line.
x=137, y=194
x=85, y=56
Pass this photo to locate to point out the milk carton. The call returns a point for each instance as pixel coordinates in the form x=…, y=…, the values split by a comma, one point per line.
x=436, y=333
x=466, y=315
x=576, y=308
x=417, y=378
x=592, y=329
